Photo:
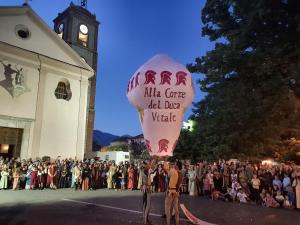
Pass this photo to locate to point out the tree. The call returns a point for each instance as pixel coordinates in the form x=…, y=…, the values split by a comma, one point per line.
x=186, y=147
x=145, y=155
x=251, y=77
x=136, y=148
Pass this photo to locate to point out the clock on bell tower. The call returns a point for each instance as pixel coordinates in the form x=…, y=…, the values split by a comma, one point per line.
x=79, y=28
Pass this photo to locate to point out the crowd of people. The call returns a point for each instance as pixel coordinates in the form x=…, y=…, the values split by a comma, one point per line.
x=267, y=185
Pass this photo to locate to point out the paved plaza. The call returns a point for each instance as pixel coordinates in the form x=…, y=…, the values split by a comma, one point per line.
x=106, y=207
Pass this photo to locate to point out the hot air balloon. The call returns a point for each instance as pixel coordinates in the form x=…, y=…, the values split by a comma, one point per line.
x=161, y=90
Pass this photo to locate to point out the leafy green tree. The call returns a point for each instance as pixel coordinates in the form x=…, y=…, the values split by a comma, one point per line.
x=252, y=78
x=136, y=149
x=145, y=155
x=186, y=147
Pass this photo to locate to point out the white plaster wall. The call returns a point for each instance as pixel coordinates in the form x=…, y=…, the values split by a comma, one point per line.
x=60, y=120
x=39, y=40
x=117, y=156
x=120, y=157
x=23, y=106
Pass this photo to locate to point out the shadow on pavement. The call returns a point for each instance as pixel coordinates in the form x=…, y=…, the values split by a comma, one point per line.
x=90, y=209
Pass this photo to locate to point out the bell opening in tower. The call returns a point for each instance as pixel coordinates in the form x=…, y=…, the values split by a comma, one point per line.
x=83, y=35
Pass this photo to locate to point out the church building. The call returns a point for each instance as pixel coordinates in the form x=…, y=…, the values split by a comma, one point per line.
x=47, y=83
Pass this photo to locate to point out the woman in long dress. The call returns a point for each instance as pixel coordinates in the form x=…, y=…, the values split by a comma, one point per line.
x=192, y=181
x=111, y=172
x=130, y=177
x=51, y=179
x=140, y=176
x=28, y=179
x=86, y=172
x=96, y=175
x=16, y=176
x=77, y=176
x=4, y=179
x=34, y=178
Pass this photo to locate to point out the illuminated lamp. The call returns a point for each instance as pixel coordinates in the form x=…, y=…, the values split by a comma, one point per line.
x=4, y=148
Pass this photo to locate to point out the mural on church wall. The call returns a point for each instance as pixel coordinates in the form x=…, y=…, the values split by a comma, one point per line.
x=12, y=79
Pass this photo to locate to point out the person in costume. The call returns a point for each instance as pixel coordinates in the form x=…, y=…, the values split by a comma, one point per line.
x=4, y=179
x=130, y=177
x=172, y=197
x=85, y=177
x=192, y=181
x=111, y=172
x=28, y=178
x=146, y=190
x=16, y=176
x=77, y=171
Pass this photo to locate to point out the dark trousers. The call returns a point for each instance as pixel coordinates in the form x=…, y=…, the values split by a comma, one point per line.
x=256, y=196
x=62, y=182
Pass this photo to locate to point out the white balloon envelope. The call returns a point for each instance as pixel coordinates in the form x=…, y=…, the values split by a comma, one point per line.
x=161, y=90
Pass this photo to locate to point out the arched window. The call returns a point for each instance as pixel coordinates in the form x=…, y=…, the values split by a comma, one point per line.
x=60, y=30
x=83, y=35
x=63, y=90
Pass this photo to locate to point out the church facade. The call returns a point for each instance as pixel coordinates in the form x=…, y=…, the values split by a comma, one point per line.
x=79, y=28
x=45, y=89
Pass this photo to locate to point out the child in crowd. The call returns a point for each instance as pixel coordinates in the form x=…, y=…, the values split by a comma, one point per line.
x=255, y=189
x=286, y=203
x=279, y=198
x=292, y=196
x=270, y=202
x=206, y=186
x=262, y=195
x=215, y=195
x=242, y=197
x=230, y=195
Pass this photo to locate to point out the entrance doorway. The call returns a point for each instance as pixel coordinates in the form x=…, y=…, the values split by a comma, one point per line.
x=10, y=142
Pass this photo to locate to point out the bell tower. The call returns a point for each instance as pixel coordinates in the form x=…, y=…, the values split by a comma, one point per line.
x=79, y=28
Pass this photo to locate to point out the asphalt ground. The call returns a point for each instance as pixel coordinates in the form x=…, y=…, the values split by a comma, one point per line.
x=108, y=207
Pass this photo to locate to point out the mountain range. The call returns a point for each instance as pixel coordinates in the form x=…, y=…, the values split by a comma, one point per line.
x=103, y=139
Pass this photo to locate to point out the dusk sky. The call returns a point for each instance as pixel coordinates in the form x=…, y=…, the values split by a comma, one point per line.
x=131, y=32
